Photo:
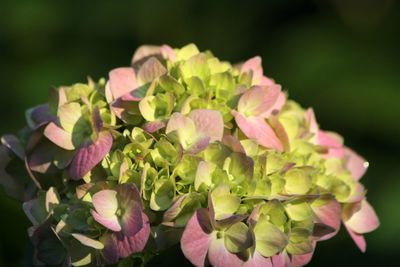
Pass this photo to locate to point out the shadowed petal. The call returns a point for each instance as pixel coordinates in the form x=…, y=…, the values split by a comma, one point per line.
x=90, y=155
x=12, y=143
x=196, y=238
x=130, y=202
x=110, y=251
x=330, y=215
x=128, y=245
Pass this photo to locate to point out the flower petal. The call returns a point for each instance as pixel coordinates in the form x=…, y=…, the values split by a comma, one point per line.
x=257, y=260
x=328, y=214
x=258, y=129
x=59, y=136
x=122, y=81
x=110, y=251
x=219, y=256
x=90, y=155
x=363, y=221
x=209, y=122
x=127, y=245
x=196, y=238
x=356, y=164
x=89, y=242
x=257, y=101
x=358, y=239
x=254, y=65
x=108, y=222
x=105, y=202
x=130, y=202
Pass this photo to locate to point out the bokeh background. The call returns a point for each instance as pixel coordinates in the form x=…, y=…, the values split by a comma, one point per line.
x=341, y=57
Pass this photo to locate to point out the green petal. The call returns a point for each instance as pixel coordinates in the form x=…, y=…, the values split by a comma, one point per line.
x=238, y=238
x=269, y=239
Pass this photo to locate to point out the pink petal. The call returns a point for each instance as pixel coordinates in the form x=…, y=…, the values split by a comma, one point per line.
x=363, y=221
x=196, y=238
x=122, y=81
x=108, y=222
x=279, y=260
x=257, y=260
x=90, y=155
x=265, y=81
x=358, y=239
x=153, y=126
x=258, y=101
x=127, y=245
x=330, y=215
x=219, y=256
x=209, y=122
x=301, y=260
x=311, y=121
x=280, y=102
x=105, y=202
x=256, y=128
x=59, y=136
x=150, y=70
x=356, y=164
x=253, y=65
x=233, y=143
x=329, y=140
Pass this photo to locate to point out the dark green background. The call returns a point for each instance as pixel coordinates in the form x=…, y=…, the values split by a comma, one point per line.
x=340, y=57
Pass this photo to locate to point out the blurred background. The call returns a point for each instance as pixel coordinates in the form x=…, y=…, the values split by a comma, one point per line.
x=342, y=57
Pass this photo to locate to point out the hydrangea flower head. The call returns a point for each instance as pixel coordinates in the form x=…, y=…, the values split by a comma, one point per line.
x=181, y=148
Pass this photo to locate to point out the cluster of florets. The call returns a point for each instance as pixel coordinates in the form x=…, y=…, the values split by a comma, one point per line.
x=181, y=147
